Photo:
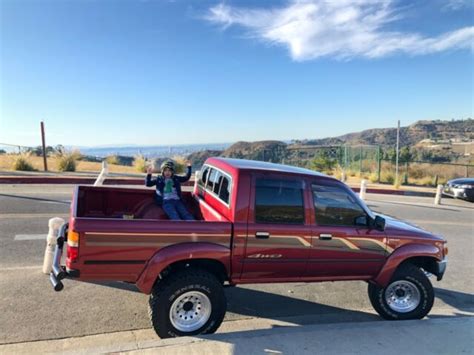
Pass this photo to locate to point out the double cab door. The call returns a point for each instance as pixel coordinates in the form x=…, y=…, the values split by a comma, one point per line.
x=301, y=228
x=343, y=244
x=279, y=229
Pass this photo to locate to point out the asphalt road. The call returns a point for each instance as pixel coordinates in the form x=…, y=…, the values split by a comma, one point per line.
x=31, y=310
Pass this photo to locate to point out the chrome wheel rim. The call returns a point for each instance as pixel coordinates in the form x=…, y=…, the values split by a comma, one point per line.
x=402, y=296
x=190, y=311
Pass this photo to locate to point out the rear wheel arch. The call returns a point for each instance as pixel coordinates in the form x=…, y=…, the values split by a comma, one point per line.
x=211, y=266
x=208, y=256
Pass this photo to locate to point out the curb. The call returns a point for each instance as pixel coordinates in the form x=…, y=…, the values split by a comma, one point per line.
x=73, y=180
x=135, y=181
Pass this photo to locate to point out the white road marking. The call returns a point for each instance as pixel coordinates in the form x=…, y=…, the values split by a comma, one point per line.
x=30, y=237
x=32, y=215
x=19, y=268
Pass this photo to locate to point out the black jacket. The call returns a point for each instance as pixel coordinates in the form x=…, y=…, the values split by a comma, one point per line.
x=159, y=182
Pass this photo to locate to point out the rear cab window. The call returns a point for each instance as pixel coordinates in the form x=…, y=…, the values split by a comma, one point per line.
x=217, y=183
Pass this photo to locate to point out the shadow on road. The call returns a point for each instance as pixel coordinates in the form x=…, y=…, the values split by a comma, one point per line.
x=36, y=199
x=459, y=300
x=255, y=303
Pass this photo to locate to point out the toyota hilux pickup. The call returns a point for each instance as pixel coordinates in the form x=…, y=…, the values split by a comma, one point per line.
x=255, y=222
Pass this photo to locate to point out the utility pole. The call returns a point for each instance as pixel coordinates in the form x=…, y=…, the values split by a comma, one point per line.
x=398, y=145
x=44, y=147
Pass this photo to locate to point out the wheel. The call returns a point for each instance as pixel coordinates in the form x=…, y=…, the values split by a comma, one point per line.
x=190, y=302
x=409, y=295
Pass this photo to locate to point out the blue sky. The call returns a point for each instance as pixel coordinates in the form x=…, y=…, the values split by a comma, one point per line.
x=177, y=72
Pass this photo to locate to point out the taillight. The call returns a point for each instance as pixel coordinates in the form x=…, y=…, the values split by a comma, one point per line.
x=445, y=249
x=72, y=253
x=72, y=246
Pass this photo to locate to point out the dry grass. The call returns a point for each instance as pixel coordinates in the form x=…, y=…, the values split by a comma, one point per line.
x=139, y=163
x=7, y=160
x=22, y=163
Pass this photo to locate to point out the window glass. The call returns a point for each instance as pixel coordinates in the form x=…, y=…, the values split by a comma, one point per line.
x=211, y=179
x=203, y=179
x=279, y=201
x=224, y=192
x=335, y=206
x=217, y=183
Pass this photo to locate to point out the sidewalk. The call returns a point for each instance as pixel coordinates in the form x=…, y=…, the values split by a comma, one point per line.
x=439, y=335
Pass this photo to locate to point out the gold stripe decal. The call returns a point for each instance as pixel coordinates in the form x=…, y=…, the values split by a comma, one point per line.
x=189, y=235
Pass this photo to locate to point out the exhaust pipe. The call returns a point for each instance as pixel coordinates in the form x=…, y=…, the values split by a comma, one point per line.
x=57, y=285
x=58, y=272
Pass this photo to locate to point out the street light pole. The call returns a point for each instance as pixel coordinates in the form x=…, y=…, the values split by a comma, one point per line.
x=398, y=145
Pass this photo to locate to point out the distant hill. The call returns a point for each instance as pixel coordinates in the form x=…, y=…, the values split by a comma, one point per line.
x=261, y=150
x=435, y=138
x=459, y=130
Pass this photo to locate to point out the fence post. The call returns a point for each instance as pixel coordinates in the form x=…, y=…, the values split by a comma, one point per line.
x=363, y=188
x=360, y=161
x=379, y=163
x=439, y=190
x=102, y=175
x=44, y=147
x=467, y=171
x=405, y=182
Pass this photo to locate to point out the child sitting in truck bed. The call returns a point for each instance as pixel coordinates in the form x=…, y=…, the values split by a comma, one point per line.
x=168, y=191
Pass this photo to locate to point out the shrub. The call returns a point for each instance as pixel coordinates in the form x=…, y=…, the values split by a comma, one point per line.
x=396, y=183
x=387, y=176
x=373, y=177
x=21, y=163
x=67, y=161
x=113, y=159
x=140, y=163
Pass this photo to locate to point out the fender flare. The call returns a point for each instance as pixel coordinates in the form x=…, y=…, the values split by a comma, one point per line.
x=400, y=255
x=177, y=252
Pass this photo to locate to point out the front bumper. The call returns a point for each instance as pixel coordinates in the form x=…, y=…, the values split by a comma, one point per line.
x=59, y=272
x=441, y=268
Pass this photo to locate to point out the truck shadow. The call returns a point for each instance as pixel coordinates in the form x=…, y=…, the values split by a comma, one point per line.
x=459, y=300
x=256, y=303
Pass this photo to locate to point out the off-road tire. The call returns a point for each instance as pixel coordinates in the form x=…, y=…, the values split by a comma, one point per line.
x=168, y=290
x=406, y=272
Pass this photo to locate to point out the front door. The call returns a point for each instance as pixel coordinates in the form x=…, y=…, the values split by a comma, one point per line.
x=343, y=244
x=279, y=230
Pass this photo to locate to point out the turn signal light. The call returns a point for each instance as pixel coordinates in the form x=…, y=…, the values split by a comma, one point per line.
x=73, y=239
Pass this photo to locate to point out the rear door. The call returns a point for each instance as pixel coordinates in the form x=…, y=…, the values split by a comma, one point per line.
x=279, y=229
x=343, y=244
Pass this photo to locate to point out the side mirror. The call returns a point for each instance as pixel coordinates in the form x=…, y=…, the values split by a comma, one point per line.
x=379, y=223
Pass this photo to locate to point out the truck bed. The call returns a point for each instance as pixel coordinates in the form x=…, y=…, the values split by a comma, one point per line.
x=122, y=228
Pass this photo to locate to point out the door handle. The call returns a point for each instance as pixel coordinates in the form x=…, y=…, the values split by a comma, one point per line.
x=325, y=236
x=262, y=235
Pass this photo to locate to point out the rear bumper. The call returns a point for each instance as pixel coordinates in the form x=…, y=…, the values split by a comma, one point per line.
x=441, y=268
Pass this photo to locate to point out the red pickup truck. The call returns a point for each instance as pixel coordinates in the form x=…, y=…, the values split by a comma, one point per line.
x=255, y=222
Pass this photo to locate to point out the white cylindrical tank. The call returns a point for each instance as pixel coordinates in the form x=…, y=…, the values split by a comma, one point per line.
x=54, y=225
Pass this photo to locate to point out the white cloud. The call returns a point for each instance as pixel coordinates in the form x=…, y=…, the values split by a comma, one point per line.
x=343, y=29
x=455, y=5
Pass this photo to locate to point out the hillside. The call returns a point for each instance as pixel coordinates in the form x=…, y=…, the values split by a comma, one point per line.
x=427, y=140
x=460, y=130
